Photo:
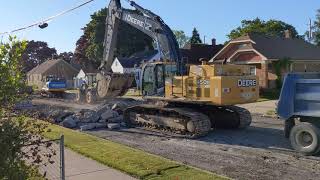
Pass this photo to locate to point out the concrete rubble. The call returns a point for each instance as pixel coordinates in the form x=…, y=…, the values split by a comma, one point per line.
x=69, y=122
x=114, y=126
x=105, y=116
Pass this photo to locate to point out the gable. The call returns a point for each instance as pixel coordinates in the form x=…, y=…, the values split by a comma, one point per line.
x=61, y=69
x=270, y=47
x=116, y=66
x=81, y=74
x=246, y=57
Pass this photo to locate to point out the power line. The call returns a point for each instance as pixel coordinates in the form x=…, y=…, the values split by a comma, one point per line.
x=47, y=19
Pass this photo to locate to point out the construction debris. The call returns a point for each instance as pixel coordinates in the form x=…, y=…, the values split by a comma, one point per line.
x=108, y=115
x=113, y=126
x=69, y=122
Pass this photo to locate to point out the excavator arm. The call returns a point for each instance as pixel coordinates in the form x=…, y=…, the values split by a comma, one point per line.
x=110, y=84
x=145, y=21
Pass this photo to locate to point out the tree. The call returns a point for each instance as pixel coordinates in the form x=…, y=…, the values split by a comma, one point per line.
x=315, y=31
x=281, y=66
x=36, y=53
x=11, y=77
x=90, y=45
x=195, y=39
x=181, y=38
x=80, y=57
x=269, y=28
x=16, y=132
x=66, y=56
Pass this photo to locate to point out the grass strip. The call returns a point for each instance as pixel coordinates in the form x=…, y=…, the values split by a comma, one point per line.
x=134, y=162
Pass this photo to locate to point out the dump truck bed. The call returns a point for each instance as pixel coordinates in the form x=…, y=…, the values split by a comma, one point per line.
x=300, y=95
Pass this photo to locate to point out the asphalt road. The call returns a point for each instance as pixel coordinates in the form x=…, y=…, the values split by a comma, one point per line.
x=259, y=152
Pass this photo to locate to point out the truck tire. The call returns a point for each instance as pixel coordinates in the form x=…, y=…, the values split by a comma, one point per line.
x=305, y=138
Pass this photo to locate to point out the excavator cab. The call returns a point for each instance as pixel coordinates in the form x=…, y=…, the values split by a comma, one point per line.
x=154, y=75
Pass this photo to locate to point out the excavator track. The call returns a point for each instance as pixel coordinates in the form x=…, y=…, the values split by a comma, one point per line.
x=183, y=121
x=244, y=115
x=221, y=117
x=230, y=117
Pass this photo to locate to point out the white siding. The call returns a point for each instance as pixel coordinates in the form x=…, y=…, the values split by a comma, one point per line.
x=116, y=67
x=128, y=70
x=81, y=74
x=79, y=79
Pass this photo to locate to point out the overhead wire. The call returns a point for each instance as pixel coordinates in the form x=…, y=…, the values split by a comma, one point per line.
x=47, y=19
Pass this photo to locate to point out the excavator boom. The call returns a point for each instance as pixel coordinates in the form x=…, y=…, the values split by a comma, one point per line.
x=143, y=20
x=110, y=84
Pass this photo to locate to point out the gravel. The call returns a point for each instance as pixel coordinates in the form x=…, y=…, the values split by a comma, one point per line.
x=259, y=152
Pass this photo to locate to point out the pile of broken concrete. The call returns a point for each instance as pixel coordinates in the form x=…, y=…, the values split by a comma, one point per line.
x=108, y=116
x=103, y=117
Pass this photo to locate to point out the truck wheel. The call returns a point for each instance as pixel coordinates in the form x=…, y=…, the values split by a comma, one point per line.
x=305, y=138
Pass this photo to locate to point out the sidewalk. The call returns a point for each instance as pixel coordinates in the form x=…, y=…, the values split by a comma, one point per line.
x=260, y=107
x=79, y=167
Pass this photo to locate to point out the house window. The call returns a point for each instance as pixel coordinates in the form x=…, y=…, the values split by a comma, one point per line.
x=253, y=70
x=116, y=63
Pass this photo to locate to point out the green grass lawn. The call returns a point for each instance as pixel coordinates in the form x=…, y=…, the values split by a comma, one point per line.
x=271, y=95
x=134, y=162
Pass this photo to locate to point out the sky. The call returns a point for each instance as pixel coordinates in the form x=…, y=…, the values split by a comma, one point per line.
x=213, y=18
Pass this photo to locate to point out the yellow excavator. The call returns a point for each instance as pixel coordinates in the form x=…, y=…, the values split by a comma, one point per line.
x=188, y=100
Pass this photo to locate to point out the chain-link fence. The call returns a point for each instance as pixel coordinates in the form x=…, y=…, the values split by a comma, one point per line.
x=48, y=157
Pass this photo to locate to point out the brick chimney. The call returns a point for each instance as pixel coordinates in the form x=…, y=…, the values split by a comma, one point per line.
x=213, y=41
x=287, y=34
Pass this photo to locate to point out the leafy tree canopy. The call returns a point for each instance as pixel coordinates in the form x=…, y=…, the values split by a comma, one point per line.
x=181, y=38
x=315, y=30
x=66, y=56
x=36, y=52
x=270, y=28
x=90, y=45
x=195, y=39
x=16, y=132
x=11, y=78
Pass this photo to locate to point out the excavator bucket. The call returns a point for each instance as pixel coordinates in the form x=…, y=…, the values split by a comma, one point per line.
x=113, y=85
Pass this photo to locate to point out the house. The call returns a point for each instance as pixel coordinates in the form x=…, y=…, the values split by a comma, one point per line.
x=56, y=68
x=192, y=53
x=85, y=74
x=265, y=52
x=127, y=65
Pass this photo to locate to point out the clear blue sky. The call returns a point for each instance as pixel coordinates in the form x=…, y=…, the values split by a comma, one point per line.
x=213, y=18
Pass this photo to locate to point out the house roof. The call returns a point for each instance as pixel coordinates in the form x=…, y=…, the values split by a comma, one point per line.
x=273, y=47
x=47, y=65
x=137, y=58
x=43, y=67
x=196, y=51
x=90, y=69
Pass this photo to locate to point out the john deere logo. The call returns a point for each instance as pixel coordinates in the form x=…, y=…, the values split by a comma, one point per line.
x=246, y=82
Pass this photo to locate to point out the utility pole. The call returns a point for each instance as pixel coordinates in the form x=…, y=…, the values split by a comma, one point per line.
x=204, y=39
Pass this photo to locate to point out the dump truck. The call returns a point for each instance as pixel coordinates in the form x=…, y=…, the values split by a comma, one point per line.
x=185, y=100
x=299, y=107
x=54, y=87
